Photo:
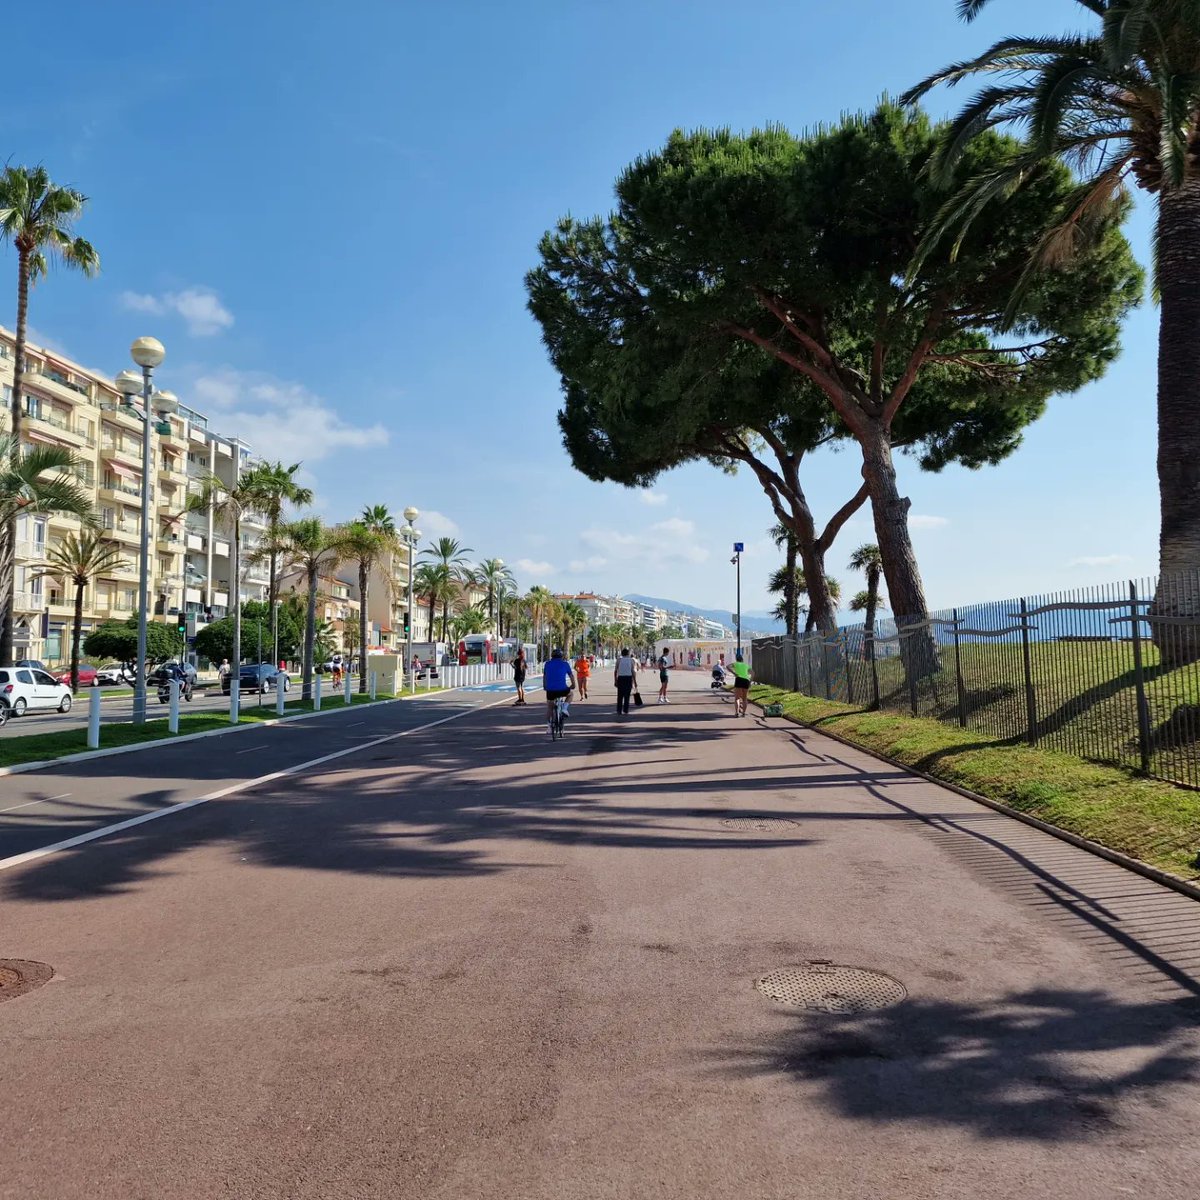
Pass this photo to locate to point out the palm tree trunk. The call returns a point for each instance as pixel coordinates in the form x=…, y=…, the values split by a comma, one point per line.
x=272, y=592
x=362, y=627
x=433, y=637
x=236, y=588
x=310, y=627
x=76, y=635
x=1178, y=593
x=8, y=551
x=890, y=511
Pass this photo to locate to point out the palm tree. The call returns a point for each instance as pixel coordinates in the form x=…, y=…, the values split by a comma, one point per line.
x=436, y=584
x=27, y=486
x=273, y=486
x=1119, y=103
x=366, y=541
x=573, y=620
x=230, y=504
x=868, y=560
x=37, y=216
x=783, y=537
x=470, y=619
x=80, y=558
x=449, y=553
x=538, y=601
x=313, y=547
x=493, y=575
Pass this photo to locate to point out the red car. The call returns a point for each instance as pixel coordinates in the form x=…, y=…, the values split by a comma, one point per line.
x=87, y=676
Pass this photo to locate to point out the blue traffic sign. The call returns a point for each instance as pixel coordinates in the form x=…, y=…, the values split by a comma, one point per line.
x=738, y=547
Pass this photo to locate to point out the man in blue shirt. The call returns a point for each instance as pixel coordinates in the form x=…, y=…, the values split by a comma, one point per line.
x=558, y=679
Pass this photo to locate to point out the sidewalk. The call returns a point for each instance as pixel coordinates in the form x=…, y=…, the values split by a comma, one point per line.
x=478, y=964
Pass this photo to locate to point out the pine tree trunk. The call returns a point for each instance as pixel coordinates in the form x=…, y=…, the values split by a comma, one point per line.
x=1178, y=592
x=890, y=511
x=362, y=628
x=821, y=612
x=790, y=599
x=76, y=635
x=8, y=550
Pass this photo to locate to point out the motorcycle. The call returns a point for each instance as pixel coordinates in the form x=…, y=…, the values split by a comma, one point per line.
x=164, y=690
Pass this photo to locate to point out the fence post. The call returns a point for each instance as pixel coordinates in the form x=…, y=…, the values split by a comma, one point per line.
x=374, y=675
x=173, y=716
x=958, y=679
x=235, y=698
x=874, y=672
x=1139, y=680
x=909, y=669
x=317, y=694
x=280, y=695
x=348, y=693
x=808, y=658
x=795, y=665
x=93, y=734
x=1030, y=698
x=845, y=644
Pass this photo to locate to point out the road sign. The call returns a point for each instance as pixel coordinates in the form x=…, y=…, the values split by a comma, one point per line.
x=738, y=547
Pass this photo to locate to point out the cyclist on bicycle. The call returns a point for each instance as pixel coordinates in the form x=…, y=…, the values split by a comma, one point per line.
x=558, y=679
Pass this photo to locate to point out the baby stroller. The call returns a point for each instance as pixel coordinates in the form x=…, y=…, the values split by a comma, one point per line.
x=718, y=677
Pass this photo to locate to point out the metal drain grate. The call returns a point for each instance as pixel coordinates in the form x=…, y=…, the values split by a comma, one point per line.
x=823, y=986
x=760, y=824
x=18, y=976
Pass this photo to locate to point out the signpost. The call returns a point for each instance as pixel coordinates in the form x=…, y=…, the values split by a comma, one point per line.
x=738, y=547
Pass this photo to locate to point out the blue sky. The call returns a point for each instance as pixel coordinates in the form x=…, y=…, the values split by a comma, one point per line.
x=325, y=212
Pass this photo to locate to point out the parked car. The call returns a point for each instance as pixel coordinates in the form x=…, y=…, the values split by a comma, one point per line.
x=34, y=664
x=110, y=673
x=23, y=688
x=259, y=677
x=87, y=676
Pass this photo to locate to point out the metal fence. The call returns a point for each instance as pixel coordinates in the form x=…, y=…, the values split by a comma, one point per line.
x=1109, y=673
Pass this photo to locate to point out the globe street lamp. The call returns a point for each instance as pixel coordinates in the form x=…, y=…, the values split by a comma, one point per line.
x=411, y=537
x=147, y=353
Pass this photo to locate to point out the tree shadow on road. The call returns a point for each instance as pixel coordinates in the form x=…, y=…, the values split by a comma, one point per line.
x=1042, y=1065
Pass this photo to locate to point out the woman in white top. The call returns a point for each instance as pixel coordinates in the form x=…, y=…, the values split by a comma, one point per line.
x=625, y=678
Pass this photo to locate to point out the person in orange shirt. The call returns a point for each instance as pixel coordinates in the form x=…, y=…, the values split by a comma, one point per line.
x=583, y=669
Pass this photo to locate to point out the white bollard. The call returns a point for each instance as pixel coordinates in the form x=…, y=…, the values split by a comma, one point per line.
x=412, y=680
x=235, y=699
x=373, y=677
x=173, y=718
x=317, y=694
x=280, y=695
x=93, y=736
x=348, y=692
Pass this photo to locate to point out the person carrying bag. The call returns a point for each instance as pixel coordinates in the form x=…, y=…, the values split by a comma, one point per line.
x=625, y=679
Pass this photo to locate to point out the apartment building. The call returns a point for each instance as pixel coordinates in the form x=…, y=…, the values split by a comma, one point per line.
x=68, y=405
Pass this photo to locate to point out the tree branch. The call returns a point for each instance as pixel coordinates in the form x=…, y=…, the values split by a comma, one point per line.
x=839, y=518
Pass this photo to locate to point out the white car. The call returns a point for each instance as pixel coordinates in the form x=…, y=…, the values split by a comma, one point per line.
x=24, y=688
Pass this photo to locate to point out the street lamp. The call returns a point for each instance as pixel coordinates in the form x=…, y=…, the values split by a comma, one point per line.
x=738, y=547
x=147, y=353
x=411, y=537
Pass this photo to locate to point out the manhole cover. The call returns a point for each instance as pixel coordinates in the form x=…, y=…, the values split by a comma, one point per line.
x=18, y=976
x=826, y=987
x=761, y=824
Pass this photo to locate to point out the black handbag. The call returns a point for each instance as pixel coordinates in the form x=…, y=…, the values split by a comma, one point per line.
x=637, y=699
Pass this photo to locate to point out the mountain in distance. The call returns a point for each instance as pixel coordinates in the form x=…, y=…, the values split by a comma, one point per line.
x=756, y=622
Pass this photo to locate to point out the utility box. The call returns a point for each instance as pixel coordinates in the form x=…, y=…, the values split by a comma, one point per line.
x=389, y=672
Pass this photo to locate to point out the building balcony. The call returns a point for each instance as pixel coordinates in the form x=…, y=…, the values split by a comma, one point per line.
x=220, y=548
x=30, y=602
x=122, y=531
x=64, y=428
x=120, y=493
x=221, y=598
x=169, y=543
x=61, y=385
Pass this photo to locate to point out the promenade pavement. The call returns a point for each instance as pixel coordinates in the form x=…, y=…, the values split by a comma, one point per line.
x=469, y=962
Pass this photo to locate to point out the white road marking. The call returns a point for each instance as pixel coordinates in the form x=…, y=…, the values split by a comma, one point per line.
x=30, y=803
x=17, y=860
x=251, y=749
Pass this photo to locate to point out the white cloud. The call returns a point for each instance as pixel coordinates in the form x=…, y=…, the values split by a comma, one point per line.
x=435, y=524
x=592, y=563
x=653, y=498
x=923, y=521
x=529, y=566
x=278, y=418
x=200, y=308
x=668, y=542
x=1098, y=560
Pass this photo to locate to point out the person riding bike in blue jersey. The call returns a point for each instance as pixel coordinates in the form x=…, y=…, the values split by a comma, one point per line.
x=558, y=679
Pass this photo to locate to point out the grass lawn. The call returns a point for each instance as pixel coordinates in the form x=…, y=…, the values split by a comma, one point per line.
x=1144, y=818
x=36, y=747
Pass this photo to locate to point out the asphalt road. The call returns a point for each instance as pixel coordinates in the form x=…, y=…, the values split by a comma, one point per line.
x=467, y=962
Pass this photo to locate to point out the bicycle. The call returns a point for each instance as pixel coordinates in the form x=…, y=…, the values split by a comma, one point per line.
x=558, y=721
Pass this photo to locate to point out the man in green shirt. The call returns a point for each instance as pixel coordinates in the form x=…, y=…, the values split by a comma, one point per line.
x=741, y=685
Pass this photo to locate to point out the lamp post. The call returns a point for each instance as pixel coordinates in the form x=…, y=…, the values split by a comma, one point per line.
x=147, y=353
x=411, y=536
x=738, y=547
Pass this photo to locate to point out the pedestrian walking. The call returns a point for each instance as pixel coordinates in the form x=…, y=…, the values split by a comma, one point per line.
x=519, y=670
x=741, y=685
x=663, y=678
x=223, y=672
x=625, y=677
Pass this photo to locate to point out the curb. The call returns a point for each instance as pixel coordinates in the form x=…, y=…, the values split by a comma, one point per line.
x=157, y=743
x=1154, y=874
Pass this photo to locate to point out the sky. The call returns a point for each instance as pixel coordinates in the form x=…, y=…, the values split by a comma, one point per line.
x=326, y=212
